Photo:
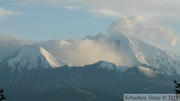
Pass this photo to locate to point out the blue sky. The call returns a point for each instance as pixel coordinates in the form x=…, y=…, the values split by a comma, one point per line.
x=156, y=22
x=45, y=22
x=34, y=21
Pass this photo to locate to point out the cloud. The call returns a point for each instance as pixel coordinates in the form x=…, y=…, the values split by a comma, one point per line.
x=128, y=24
x=174, y=41
x=106, y=12
x=72, y=7
x=147, y=30
x=88, y=50
x=4, y=12
x=163, y=13
x=148, y=20
x=82, y=52
x=9, y=44
x=125, y=7
x=76, y=52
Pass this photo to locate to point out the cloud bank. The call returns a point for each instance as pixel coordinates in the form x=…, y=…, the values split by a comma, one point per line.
x=76, y=52
x=106, y=12
x=82, y=52
x=4, y=12
x=142, y=16
x=148, y=31
x=150, y=9
x=95, y=48
x=9, y=44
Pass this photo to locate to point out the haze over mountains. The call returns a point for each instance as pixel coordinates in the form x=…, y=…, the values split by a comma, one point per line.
x=69, y=50
x=139, y=53
x=111, y=64
x=118, y=48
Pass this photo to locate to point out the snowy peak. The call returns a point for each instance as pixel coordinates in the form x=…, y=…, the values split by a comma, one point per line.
x=110, y=66
x=31, y=56
x=148, y=72
x=121, y=41
x=136, y=53
x=123, y=46
x=107, y=65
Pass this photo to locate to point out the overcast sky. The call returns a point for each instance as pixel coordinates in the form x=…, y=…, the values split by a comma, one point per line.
x=39, y=20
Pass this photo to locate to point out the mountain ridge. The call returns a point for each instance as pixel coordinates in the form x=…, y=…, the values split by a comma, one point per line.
x=141, y=53
x=30, y=57
x=133, y=51
x=29, y=54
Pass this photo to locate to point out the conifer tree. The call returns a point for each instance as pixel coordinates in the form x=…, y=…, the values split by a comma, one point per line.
x=177, y=87
x=2, y=96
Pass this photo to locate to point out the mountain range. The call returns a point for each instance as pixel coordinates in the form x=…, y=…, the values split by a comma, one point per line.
x=138, y=53
x=31, y=73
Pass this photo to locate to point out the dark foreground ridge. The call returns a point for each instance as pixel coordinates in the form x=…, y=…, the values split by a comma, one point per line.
x=88, y=83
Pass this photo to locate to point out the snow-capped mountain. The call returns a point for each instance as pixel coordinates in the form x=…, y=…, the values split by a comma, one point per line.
x=137, y=53
x=31, y=56
x=130, y=51
x=110, y=66
x=148, y=72
x=134, y=52
x=145, y=70
x=28, y=75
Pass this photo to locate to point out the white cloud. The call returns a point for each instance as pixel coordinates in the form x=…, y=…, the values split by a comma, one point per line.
x=174, y=41
x=72, y=7
x=106, y=12
x=148, y=20
x=76, y=52
x=9, y=44
x=147, y=30
x=160, y=11
x=81, y=52
x=4, y=12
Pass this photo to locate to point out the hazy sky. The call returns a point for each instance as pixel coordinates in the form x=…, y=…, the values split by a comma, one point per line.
x=65, y=19
x=156, y=22
x=28, y=21
x=42, y=20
